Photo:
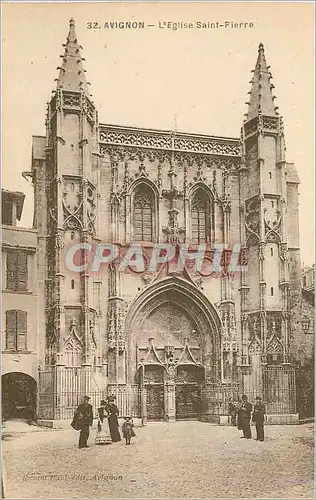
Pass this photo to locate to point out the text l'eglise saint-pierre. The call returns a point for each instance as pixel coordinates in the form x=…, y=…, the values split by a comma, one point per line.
x=172, y=25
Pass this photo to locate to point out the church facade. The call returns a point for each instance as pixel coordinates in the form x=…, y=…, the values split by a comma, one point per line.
x=173, y=342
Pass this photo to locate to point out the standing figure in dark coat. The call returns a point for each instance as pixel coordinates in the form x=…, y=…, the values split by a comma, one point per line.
x=244, y=416
x=113, y=412
x=83, y=417
x=258, y=417
x=233, y=409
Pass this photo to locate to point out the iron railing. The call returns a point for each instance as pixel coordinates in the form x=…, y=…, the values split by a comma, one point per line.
x=61, y=391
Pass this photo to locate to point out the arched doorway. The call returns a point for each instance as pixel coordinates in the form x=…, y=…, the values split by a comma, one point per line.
x=19, y=394
x=173, y=336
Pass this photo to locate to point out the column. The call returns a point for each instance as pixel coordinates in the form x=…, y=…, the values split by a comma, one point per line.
x=170, y=401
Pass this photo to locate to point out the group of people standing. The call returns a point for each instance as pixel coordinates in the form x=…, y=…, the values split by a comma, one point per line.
x=108, y=425
x=242, y=414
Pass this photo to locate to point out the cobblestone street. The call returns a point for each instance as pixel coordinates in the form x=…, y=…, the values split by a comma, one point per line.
x=181, y=460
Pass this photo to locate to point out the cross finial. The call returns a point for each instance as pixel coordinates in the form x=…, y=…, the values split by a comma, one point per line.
x=175, y=122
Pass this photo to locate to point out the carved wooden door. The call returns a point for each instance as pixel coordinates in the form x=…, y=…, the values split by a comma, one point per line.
x=188, y=401
x=155, y=392
x=155, y=402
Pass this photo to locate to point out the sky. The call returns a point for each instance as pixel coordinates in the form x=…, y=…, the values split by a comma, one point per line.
x=194, y=79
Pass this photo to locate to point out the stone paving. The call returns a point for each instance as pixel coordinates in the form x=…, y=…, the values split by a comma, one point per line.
x=179, y=460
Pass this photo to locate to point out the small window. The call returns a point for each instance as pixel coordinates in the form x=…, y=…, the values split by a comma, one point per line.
x=272, y=291
x=270, y=175
x=17, y=271
x=16, y=330
x=272, y=204
x=72, y=284
x=271, y=252
x=7, y=212
x=304, y=281
x=72, y=235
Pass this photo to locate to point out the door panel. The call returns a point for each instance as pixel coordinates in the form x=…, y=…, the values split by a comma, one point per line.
x=155, y=402
x=188, y=401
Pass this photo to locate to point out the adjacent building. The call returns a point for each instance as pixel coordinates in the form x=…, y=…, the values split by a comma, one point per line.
x=19, y=311
x=173, y=343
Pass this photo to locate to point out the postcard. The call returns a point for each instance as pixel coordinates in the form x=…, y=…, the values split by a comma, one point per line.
x=157, y=257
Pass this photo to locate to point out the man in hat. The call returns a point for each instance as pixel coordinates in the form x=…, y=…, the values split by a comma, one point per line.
x=84, y=417
x=244, y=417
x=258, y=417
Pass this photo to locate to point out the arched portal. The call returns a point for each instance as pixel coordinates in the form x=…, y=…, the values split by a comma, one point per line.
x=19, y=394
x=173, y=327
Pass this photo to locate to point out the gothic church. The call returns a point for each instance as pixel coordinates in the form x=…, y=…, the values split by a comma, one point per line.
x=170, y=344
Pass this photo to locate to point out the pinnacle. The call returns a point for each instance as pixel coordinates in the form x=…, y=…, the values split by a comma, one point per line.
x=261, y=100
x=71, y=72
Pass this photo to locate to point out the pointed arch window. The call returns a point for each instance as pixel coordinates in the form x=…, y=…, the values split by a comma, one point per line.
x=200, y=217
x=144, y=214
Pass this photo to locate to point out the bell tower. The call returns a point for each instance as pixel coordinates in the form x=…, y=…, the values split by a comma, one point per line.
x=267, y=207
x=71, y=207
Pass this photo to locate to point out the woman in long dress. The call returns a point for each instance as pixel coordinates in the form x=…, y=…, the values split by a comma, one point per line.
x=103, y=435
x=113, y=412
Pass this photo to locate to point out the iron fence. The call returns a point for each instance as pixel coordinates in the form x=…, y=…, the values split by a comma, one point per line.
x=279, y=389
x=216, y=398
x=61, y=391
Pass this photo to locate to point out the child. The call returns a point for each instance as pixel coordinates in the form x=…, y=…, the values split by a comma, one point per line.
x=128, y=429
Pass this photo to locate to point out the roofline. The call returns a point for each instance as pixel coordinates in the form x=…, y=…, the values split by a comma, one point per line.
x=16, y=194
x=170, y=132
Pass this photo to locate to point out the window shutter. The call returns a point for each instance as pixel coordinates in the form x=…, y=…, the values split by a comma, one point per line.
x=22, y=272
x=11, y=330
x=7, y=212
x=21, y=330
x=12, y=262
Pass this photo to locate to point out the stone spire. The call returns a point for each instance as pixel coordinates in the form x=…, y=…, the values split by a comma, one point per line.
x=71, y=73
x=261, y=98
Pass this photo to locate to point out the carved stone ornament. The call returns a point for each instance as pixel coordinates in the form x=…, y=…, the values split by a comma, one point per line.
x=173, y=231
x=275, y=346
x=73, y=343
x=72, y=204
x=255, y=346
x=252, y=218
x=91, y=329
x=164, y=140
x=115, y=327
x=71, y=99
x=59, y=240
x=274, y=324
x=91, y=208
